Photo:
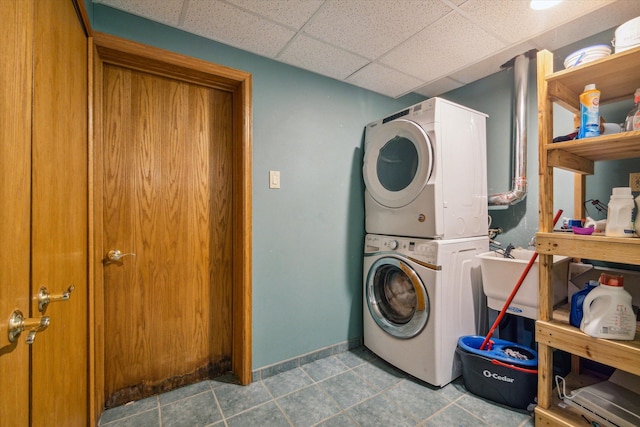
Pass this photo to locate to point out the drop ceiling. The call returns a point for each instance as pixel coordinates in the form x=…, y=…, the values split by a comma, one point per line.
x=392, y=47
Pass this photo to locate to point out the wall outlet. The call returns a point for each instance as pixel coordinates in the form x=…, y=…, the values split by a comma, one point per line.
x=634, y=181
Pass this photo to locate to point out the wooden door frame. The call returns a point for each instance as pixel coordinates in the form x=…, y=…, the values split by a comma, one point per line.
x=108, y=49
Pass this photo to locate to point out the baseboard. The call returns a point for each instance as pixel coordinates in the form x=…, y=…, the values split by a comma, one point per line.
x=296, y=362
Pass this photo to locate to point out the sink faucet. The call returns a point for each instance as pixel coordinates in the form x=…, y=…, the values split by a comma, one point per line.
x=507, y=251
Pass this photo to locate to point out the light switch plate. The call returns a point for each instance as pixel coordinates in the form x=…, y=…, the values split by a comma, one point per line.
x=274, y=179
x=634, y=181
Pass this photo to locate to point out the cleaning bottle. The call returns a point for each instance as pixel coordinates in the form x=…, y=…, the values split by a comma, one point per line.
x=633, y=118
x=619, y=213
x=589, y=112
x=607, y=311
x=577, y=300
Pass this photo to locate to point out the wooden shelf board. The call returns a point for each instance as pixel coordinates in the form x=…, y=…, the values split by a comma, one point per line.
x=618, y=354
x=603, y=248
x=568, y=161
x=616, y=80
x=623, y=145
x=558, y=417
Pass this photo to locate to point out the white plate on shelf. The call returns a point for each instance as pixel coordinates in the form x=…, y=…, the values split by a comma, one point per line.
x=587, y=54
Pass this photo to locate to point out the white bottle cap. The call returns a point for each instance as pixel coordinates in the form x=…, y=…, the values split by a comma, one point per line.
x=592, y=86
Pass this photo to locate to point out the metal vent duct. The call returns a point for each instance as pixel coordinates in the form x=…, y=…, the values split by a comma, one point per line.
x=519, y=187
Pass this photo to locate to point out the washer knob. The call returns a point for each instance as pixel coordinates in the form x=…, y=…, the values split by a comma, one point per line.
x=393, y=245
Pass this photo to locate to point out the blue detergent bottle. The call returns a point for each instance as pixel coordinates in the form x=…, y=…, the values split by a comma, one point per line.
x=575, y=315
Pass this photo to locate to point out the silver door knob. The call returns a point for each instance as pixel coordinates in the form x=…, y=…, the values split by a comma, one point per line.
x=115, y=255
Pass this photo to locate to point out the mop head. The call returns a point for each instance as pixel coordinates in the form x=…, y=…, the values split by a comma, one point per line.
x=517, y=353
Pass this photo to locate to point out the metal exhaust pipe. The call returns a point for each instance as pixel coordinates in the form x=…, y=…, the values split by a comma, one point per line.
x=519, y=185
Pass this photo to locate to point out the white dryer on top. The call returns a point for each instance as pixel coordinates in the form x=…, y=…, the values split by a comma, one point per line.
x=425, y=172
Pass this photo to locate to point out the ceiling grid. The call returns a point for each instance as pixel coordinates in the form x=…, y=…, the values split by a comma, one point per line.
x=392, y=47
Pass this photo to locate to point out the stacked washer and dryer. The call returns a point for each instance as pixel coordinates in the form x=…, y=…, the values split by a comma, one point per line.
x=426, y=219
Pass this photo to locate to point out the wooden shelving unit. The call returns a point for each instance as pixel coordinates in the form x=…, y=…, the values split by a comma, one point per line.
x=617, y=78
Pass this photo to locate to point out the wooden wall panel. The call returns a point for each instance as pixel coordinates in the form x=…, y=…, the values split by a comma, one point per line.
x=59, y=214
x=15, y=192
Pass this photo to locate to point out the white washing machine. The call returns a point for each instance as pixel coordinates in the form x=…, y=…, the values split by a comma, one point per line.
x=420, y=296
x=425, y=172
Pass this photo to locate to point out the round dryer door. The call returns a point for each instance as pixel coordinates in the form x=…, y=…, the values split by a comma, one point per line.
x=397, y=298
x=398, y=162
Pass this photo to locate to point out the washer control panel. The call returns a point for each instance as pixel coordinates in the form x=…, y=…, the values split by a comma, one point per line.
x=427, y=251
x=424, y=250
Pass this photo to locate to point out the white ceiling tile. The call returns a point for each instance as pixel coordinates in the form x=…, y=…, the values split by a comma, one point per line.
x=592, y=23
x=386, y=81
x=432, y=54
x=313, y=55
x=514, y=20
x=372, y=27
x=164, y=11
x=434, y=45
x=228, y=24
x=293, y=13
x=490, y=65
x=439, y=87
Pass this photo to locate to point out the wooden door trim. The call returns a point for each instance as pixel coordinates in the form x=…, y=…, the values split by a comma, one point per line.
x=108, y=49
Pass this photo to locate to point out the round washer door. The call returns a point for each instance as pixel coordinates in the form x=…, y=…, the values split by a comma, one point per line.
x=398, y=162
x=397, y=298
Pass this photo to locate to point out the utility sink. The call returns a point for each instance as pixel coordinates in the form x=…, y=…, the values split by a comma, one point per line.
x=500, y=275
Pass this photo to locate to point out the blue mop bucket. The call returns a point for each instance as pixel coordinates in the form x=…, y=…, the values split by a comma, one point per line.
x=505, y=372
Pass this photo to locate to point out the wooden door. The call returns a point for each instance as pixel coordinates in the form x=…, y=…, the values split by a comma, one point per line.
x=15, y=193
x=43, y=161
x=59, y=230
x=167, y=199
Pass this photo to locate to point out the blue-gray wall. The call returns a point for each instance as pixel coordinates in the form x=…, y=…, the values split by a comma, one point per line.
x=307, y=236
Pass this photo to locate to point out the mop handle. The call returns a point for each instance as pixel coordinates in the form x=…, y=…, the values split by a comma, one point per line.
x=515, y=290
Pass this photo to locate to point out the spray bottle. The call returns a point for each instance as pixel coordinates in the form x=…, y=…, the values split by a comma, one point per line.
x=589, y=112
